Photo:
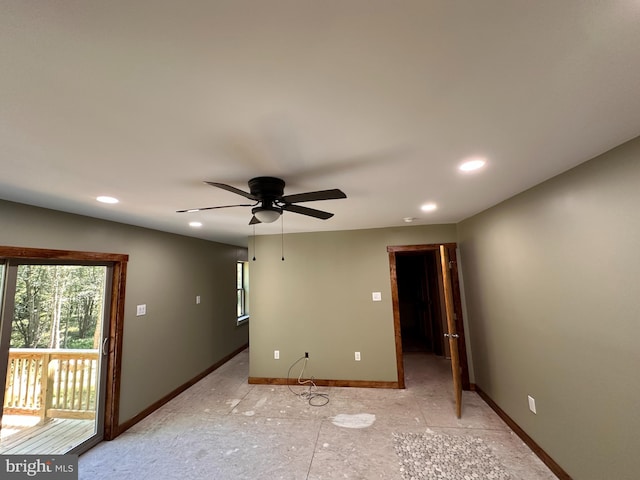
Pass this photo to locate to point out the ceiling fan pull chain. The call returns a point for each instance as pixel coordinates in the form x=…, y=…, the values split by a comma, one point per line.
x=282, y=235
x=254, y=242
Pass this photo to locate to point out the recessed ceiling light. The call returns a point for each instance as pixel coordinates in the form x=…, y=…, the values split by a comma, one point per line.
x=105, y=199
x=472, y=164
x=195, y=224
x=428, y=207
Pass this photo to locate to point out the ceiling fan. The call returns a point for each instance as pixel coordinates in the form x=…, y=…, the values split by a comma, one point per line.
x=268, y=193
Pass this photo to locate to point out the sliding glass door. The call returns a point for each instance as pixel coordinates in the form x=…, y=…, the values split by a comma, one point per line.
x=53, y=350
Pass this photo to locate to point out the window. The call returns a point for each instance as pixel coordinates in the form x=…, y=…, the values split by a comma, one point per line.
x=242, y=287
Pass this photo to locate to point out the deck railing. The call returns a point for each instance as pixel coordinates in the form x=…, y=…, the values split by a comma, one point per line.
x=51, y=383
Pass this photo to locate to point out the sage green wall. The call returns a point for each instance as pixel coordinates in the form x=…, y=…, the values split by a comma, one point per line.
x=553, y=300
x=319, y=300
x=177, y=339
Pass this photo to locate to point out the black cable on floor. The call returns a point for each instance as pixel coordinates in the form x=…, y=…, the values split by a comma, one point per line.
x=314, y=398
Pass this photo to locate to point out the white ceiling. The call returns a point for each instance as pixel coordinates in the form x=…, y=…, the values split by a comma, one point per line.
x=145, y=99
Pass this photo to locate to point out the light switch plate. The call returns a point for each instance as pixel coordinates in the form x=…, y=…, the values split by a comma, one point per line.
x=376, y=296
x=141, y=310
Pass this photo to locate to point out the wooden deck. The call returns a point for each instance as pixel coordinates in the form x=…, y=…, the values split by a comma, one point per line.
x=55, y=436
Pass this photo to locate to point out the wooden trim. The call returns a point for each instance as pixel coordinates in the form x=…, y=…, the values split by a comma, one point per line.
x=173, y=394
x=397, y=328
x=49, y=254
x=537, y=449
x=114, y=359
x=418, y=248
x=325, y=383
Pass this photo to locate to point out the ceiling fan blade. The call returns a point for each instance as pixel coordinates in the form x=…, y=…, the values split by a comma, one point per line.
x=191, y=210
x=231, y=189
x=311, y=212
x=254, y=220
x=332, y=194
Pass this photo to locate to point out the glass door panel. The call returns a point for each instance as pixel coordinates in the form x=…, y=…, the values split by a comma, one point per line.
x=52, y=336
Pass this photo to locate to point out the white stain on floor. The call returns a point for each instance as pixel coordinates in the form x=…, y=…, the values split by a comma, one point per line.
x=260, y=403
x=358, y=420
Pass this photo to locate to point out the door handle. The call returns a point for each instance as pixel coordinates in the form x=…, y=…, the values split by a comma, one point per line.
x=104, y=346
x=452, y=335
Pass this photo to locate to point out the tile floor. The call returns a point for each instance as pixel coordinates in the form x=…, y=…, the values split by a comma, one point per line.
x=223, y=428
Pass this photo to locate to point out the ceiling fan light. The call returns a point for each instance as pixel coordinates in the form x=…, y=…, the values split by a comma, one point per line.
x=267, y=215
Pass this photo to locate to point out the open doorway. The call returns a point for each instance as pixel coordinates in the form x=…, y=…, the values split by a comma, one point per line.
x=422, y=320
x=419, y=306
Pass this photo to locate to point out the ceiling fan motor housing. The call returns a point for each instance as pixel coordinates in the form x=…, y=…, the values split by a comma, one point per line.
x=267, y=188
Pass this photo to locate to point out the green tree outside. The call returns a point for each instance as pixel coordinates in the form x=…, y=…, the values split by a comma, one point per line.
x=58, y=306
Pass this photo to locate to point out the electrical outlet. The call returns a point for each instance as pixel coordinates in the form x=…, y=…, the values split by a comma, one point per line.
x=357, y=356
x=197, y=299
x=141, y=310
x=532, y=403
x=276, y=354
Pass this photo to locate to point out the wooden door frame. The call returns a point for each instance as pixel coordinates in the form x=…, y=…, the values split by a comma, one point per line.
x=116, y=317
x=457, y=305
